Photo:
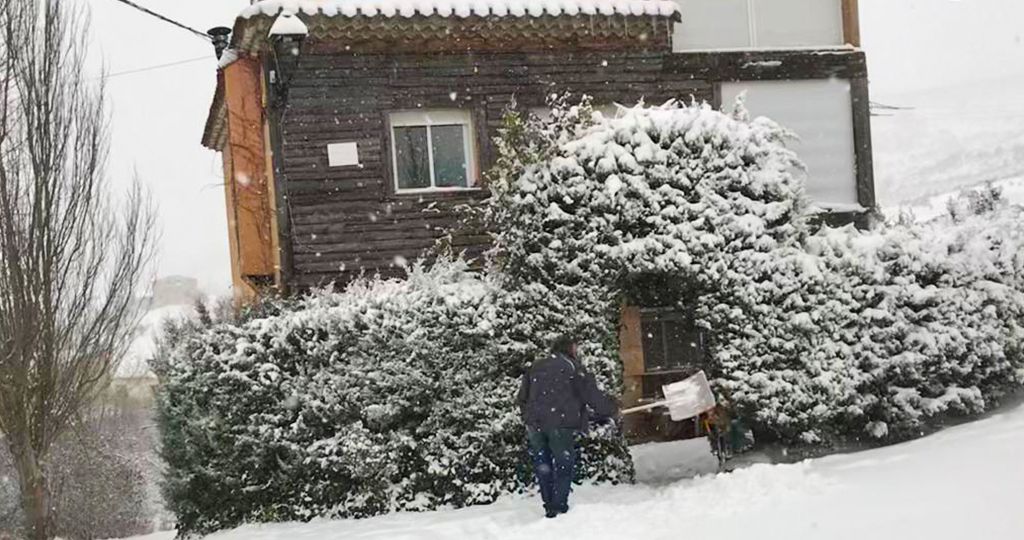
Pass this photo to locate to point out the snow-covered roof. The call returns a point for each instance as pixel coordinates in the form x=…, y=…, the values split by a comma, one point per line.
x=287, y=24
x=229, y=57
x=461, y=8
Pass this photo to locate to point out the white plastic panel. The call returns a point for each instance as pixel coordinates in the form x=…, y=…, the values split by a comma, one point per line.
x=343, y=154
x=758, y=24
x=712, y=24
x=798, y=23
x=820, y=112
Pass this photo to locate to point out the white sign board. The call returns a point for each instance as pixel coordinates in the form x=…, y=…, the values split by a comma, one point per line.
x=343, y=154
x=689, y=398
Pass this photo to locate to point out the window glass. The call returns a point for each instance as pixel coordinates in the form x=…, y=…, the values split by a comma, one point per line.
x=676, y=344
x=654, y=345
x=449, y=148
x=671, y=343
x=432, y=149
x=412, y=165
x=820, y=112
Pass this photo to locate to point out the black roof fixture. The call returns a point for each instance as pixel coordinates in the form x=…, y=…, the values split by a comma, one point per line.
x=286, y=36
x=221, y=37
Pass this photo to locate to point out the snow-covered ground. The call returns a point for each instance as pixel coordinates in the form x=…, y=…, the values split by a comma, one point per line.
x=960, y=484
x=948, y=139
x=927, y=208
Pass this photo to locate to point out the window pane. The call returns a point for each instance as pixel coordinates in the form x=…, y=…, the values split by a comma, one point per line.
x=675, y=344
x=654, y=345
x=412, y=165
x=449, y=148
x=683, y=346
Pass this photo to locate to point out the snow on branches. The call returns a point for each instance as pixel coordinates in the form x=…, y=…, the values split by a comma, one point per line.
x=812, y=337
x=398, y=394
x=392, y=395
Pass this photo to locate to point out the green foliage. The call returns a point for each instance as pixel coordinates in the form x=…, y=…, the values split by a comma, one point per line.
x=813, y=337
x=393, y=395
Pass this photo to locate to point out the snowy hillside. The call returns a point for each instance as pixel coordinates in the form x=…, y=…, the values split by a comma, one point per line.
x=925, y=208
x=947, y=138
x=959, y=484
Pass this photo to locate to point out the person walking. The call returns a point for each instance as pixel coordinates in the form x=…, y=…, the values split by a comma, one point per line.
x=554, y=398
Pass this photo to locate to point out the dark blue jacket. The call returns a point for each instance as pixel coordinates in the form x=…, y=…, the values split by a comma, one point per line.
x=556, y=392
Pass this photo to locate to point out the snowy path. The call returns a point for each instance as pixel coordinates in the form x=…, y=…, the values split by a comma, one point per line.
x=964, y=483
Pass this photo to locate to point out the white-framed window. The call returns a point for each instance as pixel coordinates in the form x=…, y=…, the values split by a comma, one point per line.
x=820, y=112
x=432, y=150
x=758, y=24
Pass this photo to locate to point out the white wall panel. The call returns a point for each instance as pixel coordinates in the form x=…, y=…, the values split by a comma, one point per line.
x=712, y=24
x=798, y=23
x=758, y=24
x=820, y=112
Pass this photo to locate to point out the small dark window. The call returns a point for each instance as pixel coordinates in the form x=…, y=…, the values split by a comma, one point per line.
x=671, y=343
x=673, y=349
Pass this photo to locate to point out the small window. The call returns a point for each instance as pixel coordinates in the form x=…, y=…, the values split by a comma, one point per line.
x=673, y=349
x=670, y=343
x=432, y=150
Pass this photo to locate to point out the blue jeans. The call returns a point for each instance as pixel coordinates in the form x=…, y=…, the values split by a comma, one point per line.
x=553, y=453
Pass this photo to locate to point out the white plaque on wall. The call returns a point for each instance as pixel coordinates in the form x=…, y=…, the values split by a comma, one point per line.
x=343, y=154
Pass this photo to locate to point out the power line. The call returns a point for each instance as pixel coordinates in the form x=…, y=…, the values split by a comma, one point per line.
x=159, y=66
x=165, y=19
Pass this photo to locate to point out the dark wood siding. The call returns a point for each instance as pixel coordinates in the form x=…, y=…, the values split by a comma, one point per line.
x=345, y=220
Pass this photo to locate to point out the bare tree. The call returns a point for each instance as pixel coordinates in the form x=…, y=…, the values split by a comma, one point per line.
x=71, y=259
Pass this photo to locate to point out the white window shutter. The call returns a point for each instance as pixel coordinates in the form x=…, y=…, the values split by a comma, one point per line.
x=820, y=112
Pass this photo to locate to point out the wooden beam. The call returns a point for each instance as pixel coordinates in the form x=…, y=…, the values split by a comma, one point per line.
x=631, y=352
x=851, y=22
x=250, y=204
x=242, y=290
x=862, y=142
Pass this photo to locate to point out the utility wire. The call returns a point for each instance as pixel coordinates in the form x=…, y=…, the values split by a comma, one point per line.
x=151, y=68
x=165, y=19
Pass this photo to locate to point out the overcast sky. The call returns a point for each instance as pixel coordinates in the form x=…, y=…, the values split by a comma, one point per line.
x=158, y=115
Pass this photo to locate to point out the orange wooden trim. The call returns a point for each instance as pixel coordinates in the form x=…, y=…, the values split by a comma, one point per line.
x=275, y=233
x=851, y=22
x=631, y=352
x=248, y=179
x=229, y=206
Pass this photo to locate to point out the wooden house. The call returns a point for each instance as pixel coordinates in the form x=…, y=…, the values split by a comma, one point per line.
x=351, y=128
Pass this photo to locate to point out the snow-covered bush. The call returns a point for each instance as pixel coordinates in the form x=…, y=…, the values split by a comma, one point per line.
x=939, y=310
x=813, y=338
x=391, y=395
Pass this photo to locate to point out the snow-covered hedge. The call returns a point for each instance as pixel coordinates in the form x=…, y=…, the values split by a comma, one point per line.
x=398, y=395
x=934, y=312
x=812, y=336
x=391, y=395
